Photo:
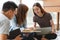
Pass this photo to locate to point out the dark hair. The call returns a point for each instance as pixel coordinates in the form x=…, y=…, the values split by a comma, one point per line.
x=38, y=5
x=9, y=5
x=21, y=13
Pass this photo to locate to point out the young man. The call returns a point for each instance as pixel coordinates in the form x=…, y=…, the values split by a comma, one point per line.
x=7, y=14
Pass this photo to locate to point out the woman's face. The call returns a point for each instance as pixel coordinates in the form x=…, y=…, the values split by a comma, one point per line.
x=36, y=10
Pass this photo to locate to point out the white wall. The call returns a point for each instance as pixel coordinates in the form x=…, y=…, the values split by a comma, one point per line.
x=2, y=1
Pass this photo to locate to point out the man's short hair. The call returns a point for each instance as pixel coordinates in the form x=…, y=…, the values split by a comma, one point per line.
x=9, y=5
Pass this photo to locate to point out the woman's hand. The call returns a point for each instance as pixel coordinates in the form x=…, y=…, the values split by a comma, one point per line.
x=32, y=28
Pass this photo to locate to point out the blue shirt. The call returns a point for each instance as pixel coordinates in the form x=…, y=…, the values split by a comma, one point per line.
x=13, y=24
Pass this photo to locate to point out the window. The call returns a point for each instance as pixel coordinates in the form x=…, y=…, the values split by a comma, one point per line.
x=54, y=17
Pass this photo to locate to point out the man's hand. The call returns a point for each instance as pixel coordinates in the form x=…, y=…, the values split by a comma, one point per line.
x=3, y=37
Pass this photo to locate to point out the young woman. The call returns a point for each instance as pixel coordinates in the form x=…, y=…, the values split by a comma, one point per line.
x=44, y=20
x=18, y=21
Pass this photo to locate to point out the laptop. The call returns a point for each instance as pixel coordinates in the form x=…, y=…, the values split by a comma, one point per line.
x=42, y=31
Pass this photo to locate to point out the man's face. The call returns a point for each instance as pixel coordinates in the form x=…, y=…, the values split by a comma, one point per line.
x=10, y=14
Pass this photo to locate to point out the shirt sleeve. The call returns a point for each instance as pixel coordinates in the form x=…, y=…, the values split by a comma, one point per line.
x=50, y=17
x=4, y=27
x=34, y=19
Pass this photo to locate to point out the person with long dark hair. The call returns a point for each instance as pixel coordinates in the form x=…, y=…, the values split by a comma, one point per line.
x=21, y=14
x=21, y=20
x=44, y=20
x=18, y=21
